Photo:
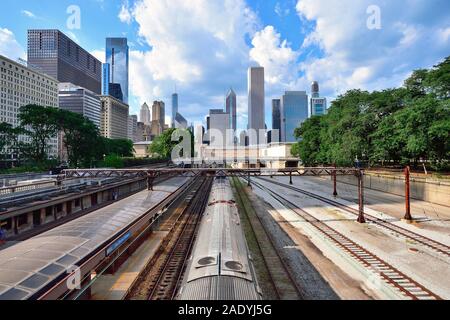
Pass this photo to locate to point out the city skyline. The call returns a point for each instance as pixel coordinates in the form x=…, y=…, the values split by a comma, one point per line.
x=283, y=37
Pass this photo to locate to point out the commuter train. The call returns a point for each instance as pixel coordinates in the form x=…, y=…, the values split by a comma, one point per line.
x=220, y=266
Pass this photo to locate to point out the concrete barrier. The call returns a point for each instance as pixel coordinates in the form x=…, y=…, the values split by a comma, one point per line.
x=426, y=189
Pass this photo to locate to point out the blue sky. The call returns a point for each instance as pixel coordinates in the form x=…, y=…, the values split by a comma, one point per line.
x=204, y=47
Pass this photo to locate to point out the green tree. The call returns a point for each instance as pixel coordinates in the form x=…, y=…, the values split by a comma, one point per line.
x=40, y=124
x=81, y=138
x=163, y=144
x=9, y=138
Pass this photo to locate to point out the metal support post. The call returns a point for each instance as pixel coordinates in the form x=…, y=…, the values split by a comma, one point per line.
x=335, y=182
x=361, y=218
x=249, y=184
x=150, y=179
x=290, y=177
x=407, y=195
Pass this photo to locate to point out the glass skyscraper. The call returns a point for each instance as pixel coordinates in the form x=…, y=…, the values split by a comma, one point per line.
x=174, y=108
x=106, y=76
x=294, y=111
x=276, y=120
x=117, y=56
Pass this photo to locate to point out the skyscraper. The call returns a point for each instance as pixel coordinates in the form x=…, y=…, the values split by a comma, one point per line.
x=145, y=114
x=58, y=56
x=276, y=120
x=180, y=121
x=132, y=127
x=231, y=109
x=294, y=111
x=318, y=106
x=80, y=100
x=117, y=56
x=256, y=117
x=114, y=120
x=106, y=78
x=174, y=108
x=219, y=124
x=158, y=117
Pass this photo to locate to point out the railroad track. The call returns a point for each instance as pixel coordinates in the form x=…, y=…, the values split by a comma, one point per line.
x=390, y=275
x=425, y=241
x=281, y=280
x=162, y=277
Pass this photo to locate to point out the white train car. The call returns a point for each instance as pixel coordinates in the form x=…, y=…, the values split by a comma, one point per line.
x=220, y=267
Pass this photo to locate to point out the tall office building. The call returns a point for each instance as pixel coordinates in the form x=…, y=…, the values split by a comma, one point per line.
x=114, y=120
x=145, y=116
x=318, y=105
x=20, y=86
x=174, y=108
x=117, y=56
x=256, y=109
x=58, y=56
x=132, y=128
x=180, y=121
x=80, y=100
x=115, y=90
x=106, y=77
x=231, y=108
x=294, y=111
x=219, y=128
x=276, y=120
x=158, y=117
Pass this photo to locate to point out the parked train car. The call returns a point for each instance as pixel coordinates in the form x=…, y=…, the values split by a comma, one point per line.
x=220, y=267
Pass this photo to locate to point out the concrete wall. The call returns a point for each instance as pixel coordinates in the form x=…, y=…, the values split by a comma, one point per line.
x=431, y=190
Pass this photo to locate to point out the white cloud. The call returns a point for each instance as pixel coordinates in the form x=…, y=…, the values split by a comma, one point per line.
x=275, y=55
x=125, y=14
x=99, y=54
x=411, y=36
x=199, y=45
x=9, y=47
x=29, y=14
x=281, y=11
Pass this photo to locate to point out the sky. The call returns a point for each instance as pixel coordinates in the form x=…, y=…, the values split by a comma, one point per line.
x=204, y=47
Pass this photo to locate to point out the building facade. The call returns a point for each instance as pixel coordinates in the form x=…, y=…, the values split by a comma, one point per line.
x=219, y=128
x=20, y=86
x=145, y=116
x=158, y=118
x=174, y=108
x=180, y=121
x=256, y=105
x=318, y=105
x=117, y=56
x=114, y=120
x=231, y=109
x=79, y=100
x=132, y=127
x=58, y=56
x=276, y=120
x=294, y=111
x=106, y=78
x=143, y=132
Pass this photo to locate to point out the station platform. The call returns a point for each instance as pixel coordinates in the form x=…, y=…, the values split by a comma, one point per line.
x=116, y=286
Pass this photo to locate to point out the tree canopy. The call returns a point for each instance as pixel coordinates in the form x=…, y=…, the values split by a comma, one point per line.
x=393, y=126
x=81, y=137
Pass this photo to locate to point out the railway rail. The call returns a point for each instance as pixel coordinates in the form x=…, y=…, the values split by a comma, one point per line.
x=411, y=235
x=163, y=276
x=405, y=285
x=279, y=275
